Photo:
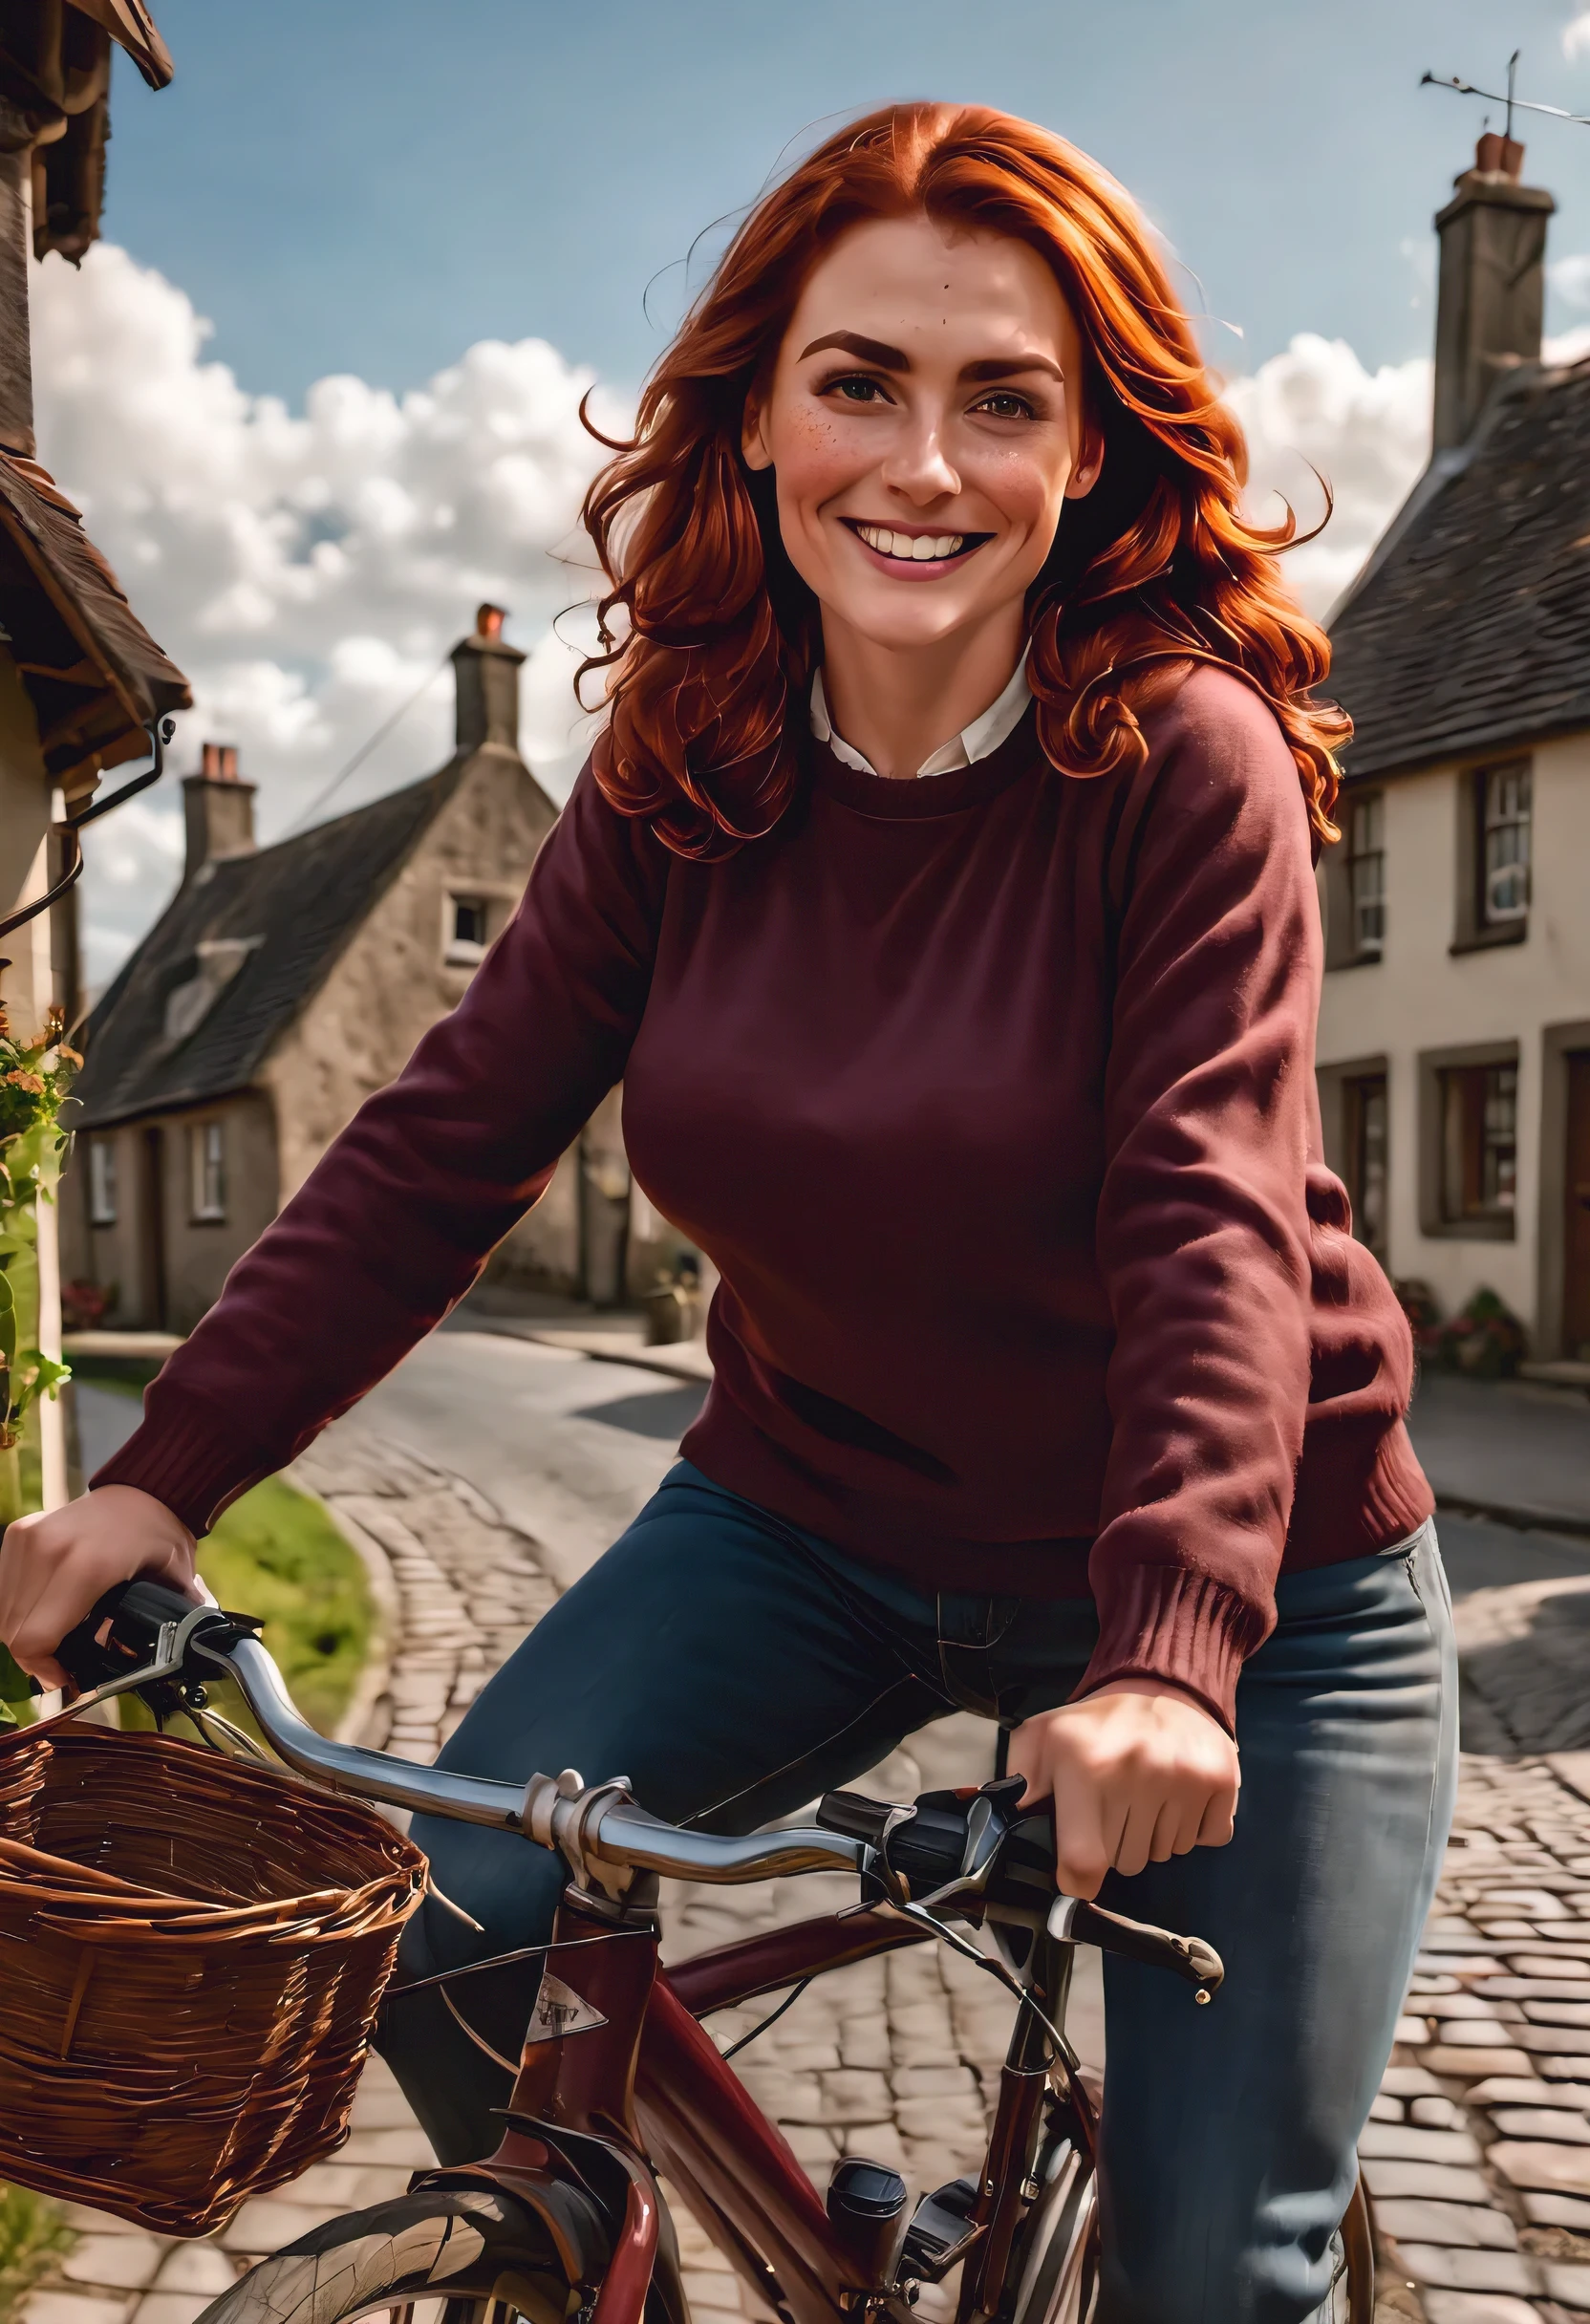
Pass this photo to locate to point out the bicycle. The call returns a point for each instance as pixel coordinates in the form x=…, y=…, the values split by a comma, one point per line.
x=618, y=2083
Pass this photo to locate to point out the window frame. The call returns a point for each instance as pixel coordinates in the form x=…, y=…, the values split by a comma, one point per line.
x=1365, y=810
x=1472, y=1069
x=206, y=1171
x=103, y=1187
x=1493, y=781
x=1477, y=926
x=1480, y=1125
x=464, y=952
x=1356, y=1093
x=1340, y=879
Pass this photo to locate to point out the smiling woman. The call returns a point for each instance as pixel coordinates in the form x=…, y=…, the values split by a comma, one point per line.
x=942, y=328
x=941, y=890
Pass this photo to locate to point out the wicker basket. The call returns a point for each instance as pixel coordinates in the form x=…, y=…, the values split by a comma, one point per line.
x=192, y=1954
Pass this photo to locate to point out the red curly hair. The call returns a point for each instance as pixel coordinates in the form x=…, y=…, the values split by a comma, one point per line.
x=718, y=637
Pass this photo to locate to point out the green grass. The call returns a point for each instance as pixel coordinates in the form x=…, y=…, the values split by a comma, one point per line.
x=31, y=2234
x=276, y=1553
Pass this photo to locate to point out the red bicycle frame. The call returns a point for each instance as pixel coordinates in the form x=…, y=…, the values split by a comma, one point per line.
x=623, y=2060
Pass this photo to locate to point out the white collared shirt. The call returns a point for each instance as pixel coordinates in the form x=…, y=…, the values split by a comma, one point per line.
x=977, y=741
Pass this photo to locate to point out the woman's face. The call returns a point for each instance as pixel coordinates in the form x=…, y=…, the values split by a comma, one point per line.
x=924, y=422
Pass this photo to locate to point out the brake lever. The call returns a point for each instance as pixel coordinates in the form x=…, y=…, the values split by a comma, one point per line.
x=1074, y=1921
x=166, y=1679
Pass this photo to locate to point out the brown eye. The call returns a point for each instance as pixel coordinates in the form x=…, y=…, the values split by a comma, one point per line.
x=1006, y=406
x=856, y=388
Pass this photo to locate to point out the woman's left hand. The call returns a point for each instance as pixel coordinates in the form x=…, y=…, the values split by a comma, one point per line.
x=1138, y=1772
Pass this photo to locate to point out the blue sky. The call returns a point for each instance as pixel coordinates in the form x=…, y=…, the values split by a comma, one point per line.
x=371, y=186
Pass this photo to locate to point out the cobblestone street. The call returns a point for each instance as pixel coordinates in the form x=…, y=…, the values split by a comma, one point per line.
x=1478, y=2156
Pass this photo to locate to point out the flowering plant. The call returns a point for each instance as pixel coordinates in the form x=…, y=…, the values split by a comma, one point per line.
x=35, y=1077
x=1484, y=1339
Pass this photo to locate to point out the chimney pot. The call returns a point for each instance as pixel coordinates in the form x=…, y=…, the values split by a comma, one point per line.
x=1499, y=156
x=490, y=620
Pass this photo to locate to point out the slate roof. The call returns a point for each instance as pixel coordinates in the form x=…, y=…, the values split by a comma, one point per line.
x=1470, y=629
x=294, y=905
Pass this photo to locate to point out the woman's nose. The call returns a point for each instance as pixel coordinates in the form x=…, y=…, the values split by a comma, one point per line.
x=918, y=464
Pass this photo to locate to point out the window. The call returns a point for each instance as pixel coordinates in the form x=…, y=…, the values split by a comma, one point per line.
x=1502, y=802
x=207, y=1153
x=465, y=928
x=1366, y=875
x=1479, y=1143
x=101, y=1182
x=1364, y=1125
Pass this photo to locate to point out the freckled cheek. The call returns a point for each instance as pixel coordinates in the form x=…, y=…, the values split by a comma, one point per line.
x=1024, y=491
x=815, y=459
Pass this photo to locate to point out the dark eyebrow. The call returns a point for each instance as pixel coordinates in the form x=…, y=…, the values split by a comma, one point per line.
x=998, y=368
x=870, y=351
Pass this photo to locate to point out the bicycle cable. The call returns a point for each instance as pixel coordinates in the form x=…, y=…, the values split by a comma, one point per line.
x=771, y=2019
x=997, y=1969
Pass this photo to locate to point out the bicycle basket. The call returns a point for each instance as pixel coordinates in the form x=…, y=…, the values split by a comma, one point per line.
x=193, y=1951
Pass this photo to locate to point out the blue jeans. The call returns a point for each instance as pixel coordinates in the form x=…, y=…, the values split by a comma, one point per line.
x=733, y=1666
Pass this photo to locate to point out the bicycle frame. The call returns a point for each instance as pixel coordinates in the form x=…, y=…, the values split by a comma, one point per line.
x=635, y=2070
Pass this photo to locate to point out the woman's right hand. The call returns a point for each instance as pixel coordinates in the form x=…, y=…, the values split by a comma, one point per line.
x=55, y=1567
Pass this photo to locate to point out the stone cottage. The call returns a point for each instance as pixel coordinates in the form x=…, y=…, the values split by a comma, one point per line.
x=1454, y=1035
x=282, y=985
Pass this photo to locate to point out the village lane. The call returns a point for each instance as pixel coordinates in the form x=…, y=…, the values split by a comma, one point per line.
x=488, y=1471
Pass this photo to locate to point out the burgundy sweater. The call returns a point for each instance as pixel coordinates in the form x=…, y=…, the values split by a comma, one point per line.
x=992, y=1097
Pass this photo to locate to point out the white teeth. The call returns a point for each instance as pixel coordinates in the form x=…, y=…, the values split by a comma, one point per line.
x=915, y=550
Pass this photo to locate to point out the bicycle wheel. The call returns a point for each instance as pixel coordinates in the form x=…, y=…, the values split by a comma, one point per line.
x=1058, y=2282
x=468, y=2246
x=1059, y=2258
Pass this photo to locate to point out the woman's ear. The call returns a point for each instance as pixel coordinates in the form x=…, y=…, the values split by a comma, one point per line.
x=753, y=444
x=1089, y=460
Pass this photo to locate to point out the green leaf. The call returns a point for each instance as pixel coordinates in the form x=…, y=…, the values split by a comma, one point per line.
x=47, y=1374
x=15, y=1685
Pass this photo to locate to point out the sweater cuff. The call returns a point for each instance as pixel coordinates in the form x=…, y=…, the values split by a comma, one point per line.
x=196, y=1467
x=1164, y=1622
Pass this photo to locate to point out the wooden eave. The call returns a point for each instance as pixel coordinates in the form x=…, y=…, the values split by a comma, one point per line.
x=95, y=676
x=131, y=28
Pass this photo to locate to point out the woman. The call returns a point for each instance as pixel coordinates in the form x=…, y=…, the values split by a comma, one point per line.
x=941, y=890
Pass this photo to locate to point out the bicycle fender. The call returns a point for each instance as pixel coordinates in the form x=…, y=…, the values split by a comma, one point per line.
x=576, y=2222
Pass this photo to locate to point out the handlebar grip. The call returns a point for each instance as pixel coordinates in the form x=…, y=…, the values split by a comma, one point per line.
x=121, y=1631
x=1076, y=1922
x=855, y=1816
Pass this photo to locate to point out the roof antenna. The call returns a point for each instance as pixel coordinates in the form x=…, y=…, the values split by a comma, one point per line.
x=1513, y=101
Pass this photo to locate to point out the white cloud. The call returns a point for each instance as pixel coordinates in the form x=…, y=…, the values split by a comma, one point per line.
x=1575, y=36
x=1568, y=346
x=1570, y=277
x=309, y=571
x=1365, y=432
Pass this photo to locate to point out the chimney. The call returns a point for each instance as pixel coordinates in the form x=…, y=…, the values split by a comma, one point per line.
x=1492, y=297
x=217, y=809
x=486, y=672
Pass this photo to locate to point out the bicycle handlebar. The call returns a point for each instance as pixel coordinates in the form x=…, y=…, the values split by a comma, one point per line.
x=144, y=1634
x=977, y=1850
